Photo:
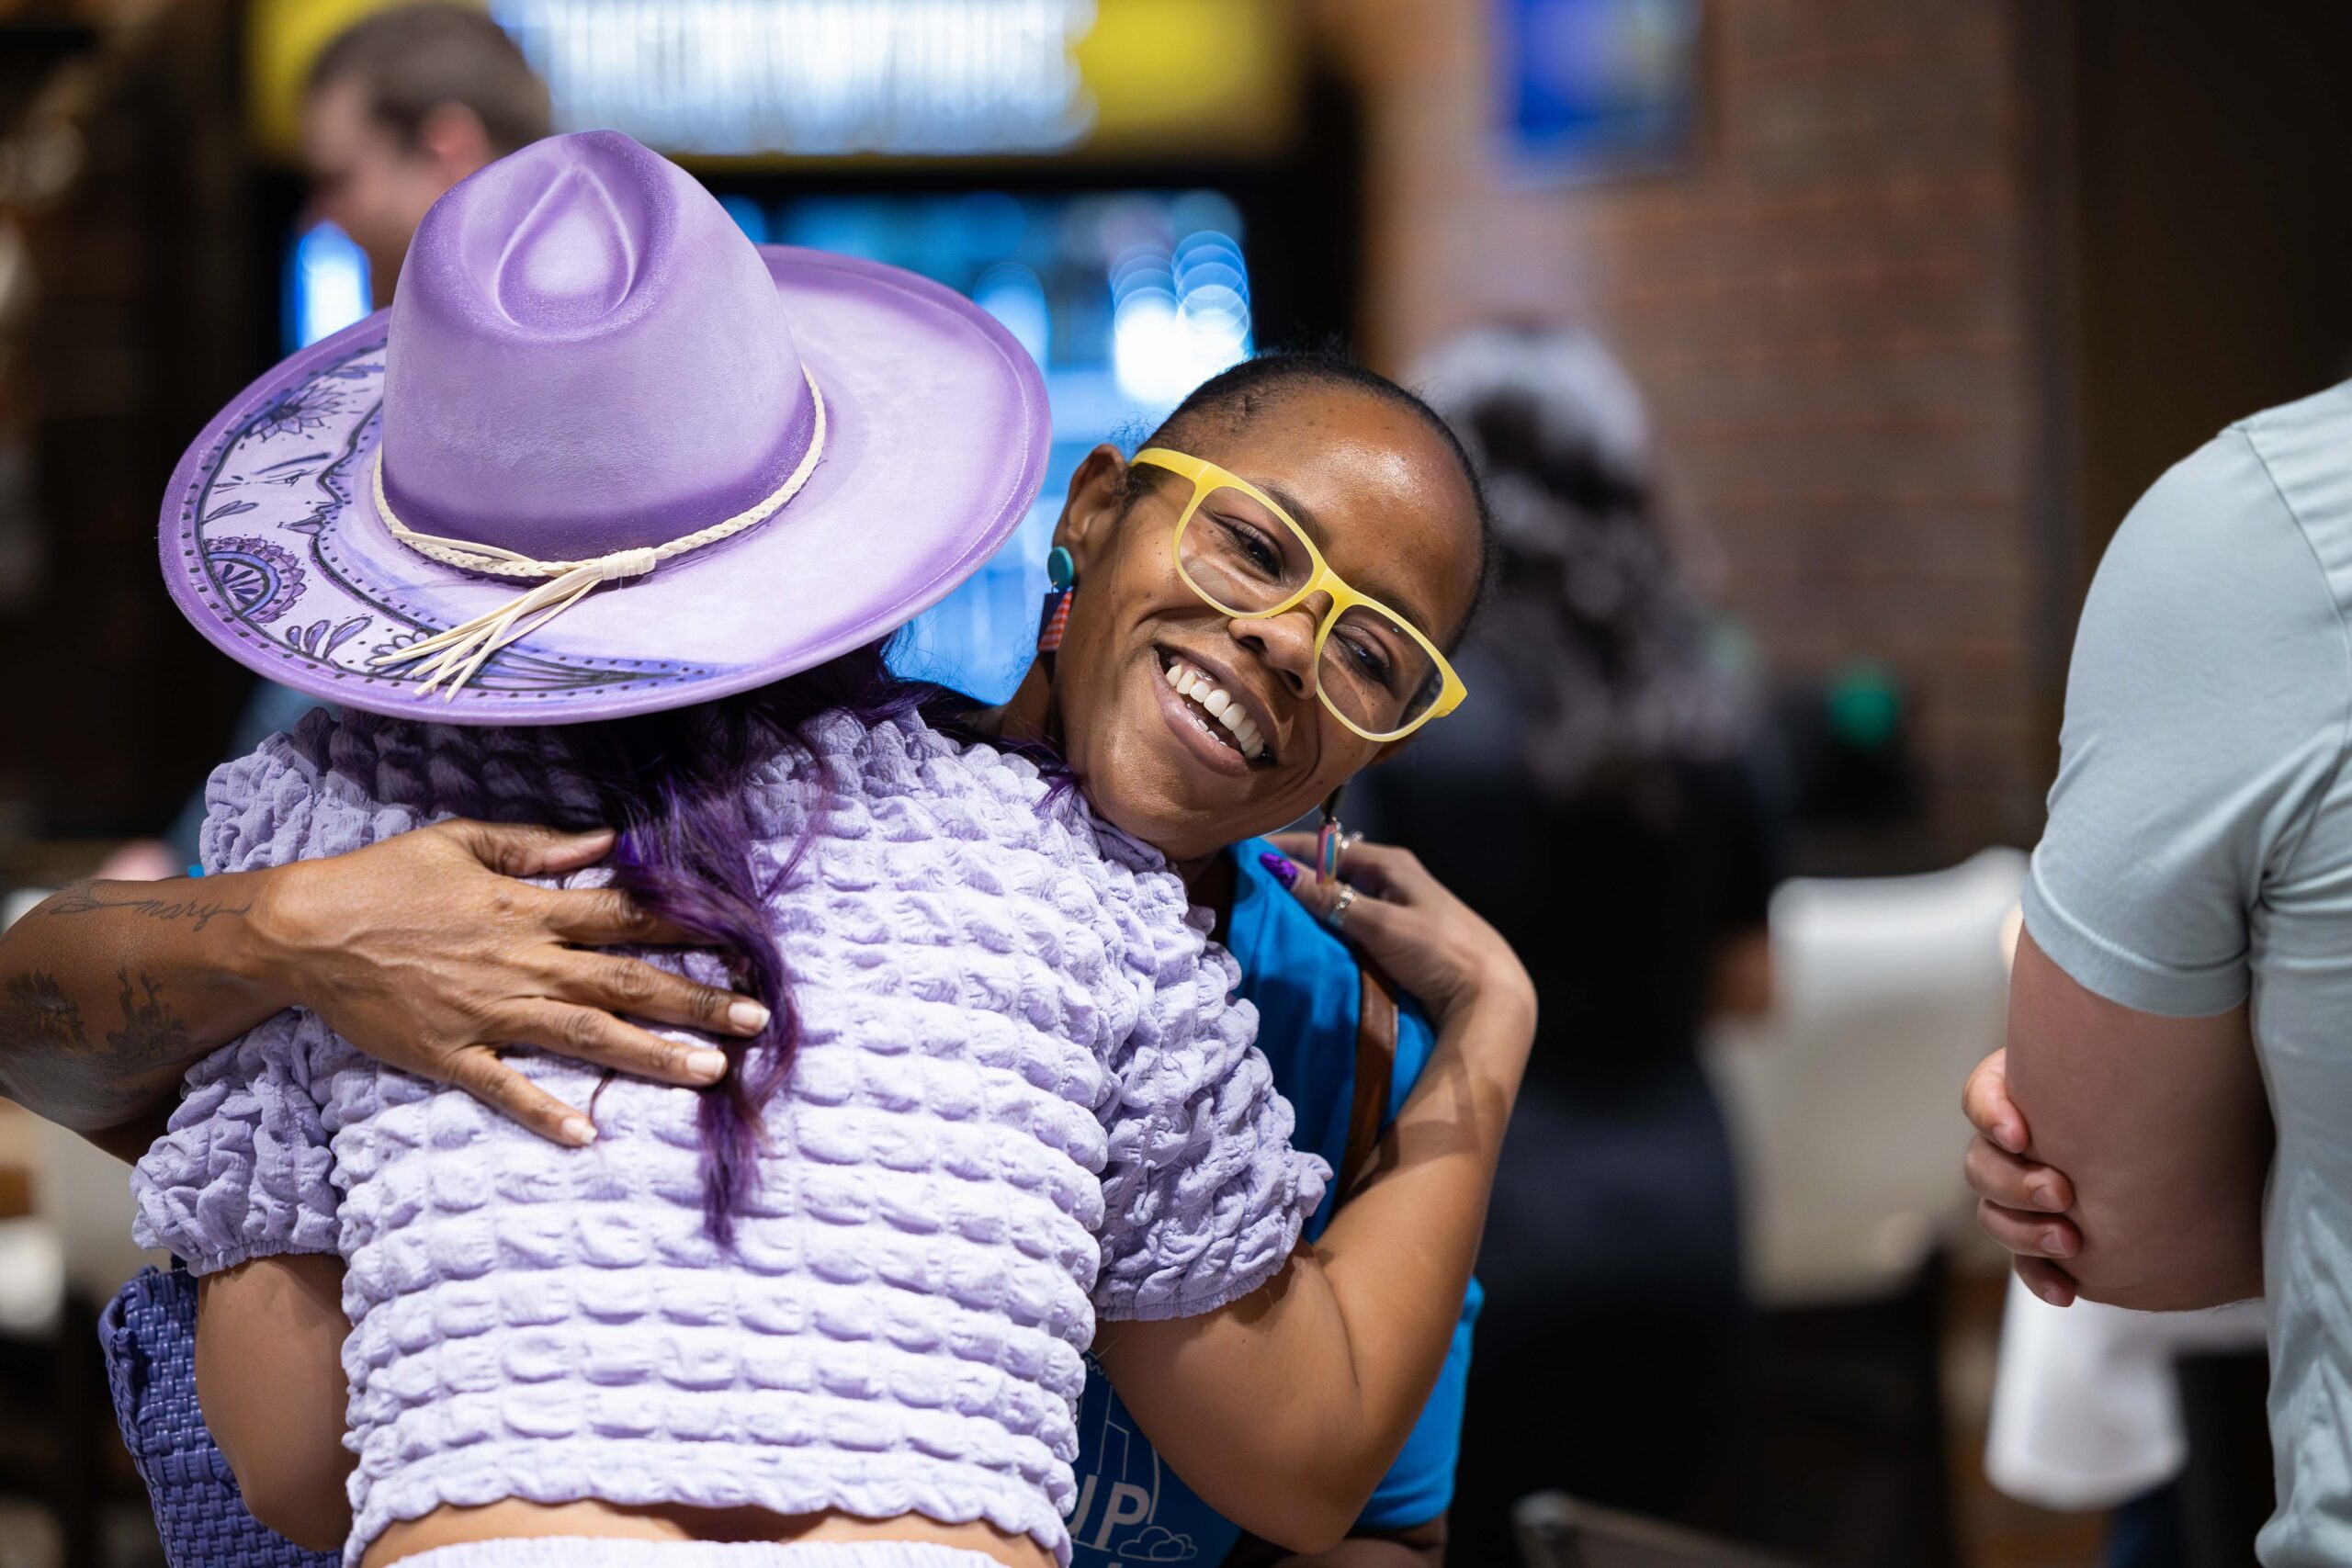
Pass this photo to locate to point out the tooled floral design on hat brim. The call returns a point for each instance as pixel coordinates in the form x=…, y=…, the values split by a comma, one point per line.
x=255, y=541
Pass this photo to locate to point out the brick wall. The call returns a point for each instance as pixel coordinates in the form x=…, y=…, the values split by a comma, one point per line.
x=1829, y=309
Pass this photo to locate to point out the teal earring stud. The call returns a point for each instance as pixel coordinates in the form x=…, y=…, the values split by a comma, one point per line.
x=1061, y=571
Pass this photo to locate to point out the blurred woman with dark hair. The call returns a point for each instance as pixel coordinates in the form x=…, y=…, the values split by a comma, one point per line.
x=1609, y=816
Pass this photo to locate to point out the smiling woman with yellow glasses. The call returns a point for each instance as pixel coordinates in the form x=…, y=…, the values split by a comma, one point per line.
x=1249, y=613
x=1241, y=551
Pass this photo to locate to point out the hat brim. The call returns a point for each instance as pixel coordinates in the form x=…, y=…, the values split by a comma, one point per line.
x=935, y=446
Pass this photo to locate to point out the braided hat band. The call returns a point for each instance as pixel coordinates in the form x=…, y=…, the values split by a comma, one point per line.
x=561, y=314
x=455, y=656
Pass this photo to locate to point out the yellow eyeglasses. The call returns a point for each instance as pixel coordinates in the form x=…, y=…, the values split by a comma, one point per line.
x=1245, y=556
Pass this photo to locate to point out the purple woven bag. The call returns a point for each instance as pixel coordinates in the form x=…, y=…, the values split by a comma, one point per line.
x=148, y=1333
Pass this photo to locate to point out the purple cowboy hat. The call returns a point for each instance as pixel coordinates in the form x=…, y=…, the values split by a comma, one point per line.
x=590, y=377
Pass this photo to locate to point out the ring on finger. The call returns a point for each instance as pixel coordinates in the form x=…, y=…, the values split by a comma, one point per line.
x=1337, y=915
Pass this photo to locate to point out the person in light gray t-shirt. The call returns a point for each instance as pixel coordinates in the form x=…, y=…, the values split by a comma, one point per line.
x=2180, y=1041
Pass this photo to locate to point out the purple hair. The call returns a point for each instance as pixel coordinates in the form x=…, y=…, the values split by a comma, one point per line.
x=674, y=785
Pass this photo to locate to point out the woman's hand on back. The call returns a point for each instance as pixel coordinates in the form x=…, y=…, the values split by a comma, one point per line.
x=1429, y=942
x=425, y=951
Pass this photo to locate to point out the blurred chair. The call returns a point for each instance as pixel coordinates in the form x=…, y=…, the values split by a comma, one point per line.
x=2159, y=1415
x=1844, y=1103
x=1558, y=1531
x=1845, y=1126
x=2088, y=1410
x=83, y=1196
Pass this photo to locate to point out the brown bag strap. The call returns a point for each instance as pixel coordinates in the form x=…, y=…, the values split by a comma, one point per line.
x=1376, y=1065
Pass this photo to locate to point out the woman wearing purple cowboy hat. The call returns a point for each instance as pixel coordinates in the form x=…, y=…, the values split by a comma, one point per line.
x=845, y=1317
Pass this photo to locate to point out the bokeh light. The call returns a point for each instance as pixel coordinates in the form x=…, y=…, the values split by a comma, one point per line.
x=327, y=285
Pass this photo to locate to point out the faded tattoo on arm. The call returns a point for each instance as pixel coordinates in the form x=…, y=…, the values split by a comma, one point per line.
x=36, y=1012
x=91, y=1077
x=68, y=1055
x=151, y=1031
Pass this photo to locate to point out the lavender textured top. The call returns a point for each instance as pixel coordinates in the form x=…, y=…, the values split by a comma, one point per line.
x=1023, y=1100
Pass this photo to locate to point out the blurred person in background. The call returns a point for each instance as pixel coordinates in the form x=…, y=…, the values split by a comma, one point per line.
x=399, y=108
x=2170, y=1127
x=1603, y=808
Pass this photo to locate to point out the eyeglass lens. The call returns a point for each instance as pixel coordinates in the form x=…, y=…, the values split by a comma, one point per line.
x=1247, y=560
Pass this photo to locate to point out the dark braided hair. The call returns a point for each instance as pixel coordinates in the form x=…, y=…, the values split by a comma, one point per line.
x=1234, y=396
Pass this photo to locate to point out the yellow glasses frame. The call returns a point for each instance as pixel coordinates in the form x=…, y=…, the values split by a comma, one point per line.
x=1207, y=477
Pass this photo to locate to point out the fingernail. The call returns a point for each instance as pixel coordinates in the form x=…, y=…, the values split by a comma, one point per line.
x=705, y=1065
x=2012, y=1137
x=2045, y=1196
x=580, y=1130
x=749, y=1017
x=1284, y=872
x=2046, y=1292
x=2054, y=1242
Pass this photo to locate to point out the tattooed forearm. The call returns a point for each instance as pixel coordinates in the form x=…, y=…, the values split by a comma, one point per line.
x=49, y=1062
x=109, y=990
x=151, y=1031
x=174, y=901
x=35, y=1012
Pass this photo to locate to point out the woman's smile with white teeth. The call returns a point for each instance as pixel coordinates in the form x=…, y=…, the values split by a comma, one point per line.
x=1214, y=701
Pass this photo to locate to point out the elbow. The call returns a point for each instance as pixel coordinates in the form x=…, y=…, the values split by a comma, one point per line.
x=2169, y=1270
x=2144, y=1291
x=310, y=1517
x=2163, y=1298
x=311, y=1528
x=1304, y=1527
x=295, y=1488
x=1304, y=1509
x=269, y=1379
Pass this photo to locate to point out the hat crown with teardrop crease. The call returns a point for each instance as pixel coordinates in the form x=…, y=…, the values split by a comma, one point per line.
x=590, y=377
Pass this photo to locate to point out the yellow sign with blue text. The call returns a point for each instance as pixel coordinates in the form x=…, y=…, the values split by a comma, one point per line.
x=785, y=81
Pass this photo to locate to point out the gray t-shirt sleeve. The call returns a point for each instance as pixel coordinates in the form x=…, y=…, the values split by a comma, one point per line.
x=2206, y=712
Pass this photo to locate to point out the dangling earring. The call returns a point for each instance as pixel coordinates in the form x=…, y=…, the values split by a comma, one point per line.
x=1330, y=838
x=1061, y=571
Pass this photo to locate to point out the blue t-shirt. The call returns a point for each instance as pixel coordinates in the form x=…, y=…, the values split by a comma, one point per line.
x=1131, y=1508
